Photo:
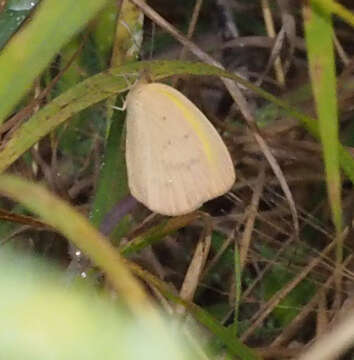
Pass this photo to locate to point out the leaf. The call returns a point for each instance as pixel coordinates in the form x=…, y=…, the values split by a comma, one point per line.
x=56, y=212
x=319, y=39
x=31, y=50
x=44, y=318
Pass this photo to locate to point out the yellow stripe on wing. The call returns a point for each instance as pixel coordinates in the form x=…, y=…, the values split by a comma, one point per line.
x=195, y=123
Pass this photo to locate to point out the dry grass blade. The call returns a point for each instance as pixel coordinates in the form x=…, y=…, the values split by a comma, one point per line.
x=298, y=321
x=268, y=307
x=268, y=267
x=192, y=24
x=322, y=319
x=319, y=35
x=335, y=342
x=274, y=58
x=289, y=25
x=197, y=264
x=252, y=214
x=190, y=32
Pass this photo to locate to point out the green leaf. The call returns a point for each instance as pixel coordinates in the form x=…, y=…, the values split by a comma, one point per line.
x=11, y=18
x=104, y=85
x=56, y=212
x=112, y=185
x=43, y=318
x=319, y=40
x=31, y=50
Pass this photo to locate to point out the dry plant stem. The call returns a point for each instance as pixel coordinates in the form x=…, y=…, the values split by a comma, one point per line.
x=229, y=27
x=292, y=329
x=266, y=217
x=197, y=264
x=244, y=41
x=267, y=267
x=327, y=262
x=302, y=178
x=191, y=29
x=252, y=214
x=289, y=25
x=216, y=258
x=277, y=353
x=341, y=52
x=274, y=55
x=139, y=227
x=334, y=343
x=280, y=176
x=338, y=269
x=322, y=315
x=310, y=219
x=192, y=25
x=22, y=219
x=2, y=5
x=268, y=20
x=235, y=93
x=268, y=307
x=278, y=214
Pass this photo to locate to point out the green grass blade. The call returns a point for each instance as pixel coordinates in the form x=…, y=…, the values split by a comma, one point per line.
x=78, y=230
x=56, y=213
x=156, y=233
x=337, y=9
x=234, y=346
x=238, y=288
x=31, y=50
x=12, y=17
x=319, y=40
x=43, y=319
x=104, y=85
x=113, y=185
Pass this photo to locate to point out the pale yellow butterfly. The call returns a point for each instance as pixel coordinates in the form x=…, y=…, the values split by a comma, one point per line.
x=176, y=160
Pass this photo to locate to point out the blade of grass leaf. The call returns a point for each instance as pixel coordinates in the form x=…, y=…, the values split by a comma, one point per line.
x=30, y=51
x=56, y=213
x=319, y=39
x=11, y=20
x=233, y=344
x=337, y=9
x=101, y=86
x=156, y=233
x=127, y=42
x=113, y=185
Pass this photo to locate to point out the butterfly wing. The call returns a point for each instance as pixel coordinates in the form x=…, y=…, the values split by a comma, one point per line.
x=176, y=160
